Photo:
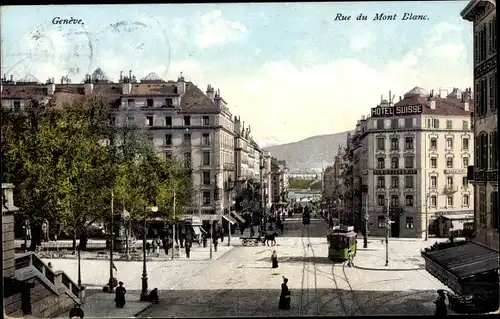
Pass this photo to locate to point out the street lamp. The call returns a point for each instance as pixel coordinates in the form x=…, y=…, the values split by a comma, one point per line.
x=144, y=292
x=427, y=217
x=111, y=240
x=126, y=219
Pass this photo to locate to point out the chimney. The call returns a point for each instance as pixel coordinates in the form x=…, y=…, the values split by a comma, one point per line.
x=121, y=76
x=130, y=74
x=51, y=88
x=210, y=92
x=88, y=86
x=126, y=87
x=181, y=85
x=433, y=105
x=400, y=98
x=12, y=78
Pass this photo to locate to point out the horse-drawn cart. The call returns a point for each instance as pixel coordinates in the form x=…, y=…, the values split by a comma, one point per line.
x=254, y=241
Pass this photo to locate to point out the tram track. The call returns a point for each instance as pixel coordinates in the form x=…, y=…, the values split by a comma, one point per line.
x=304, y=272
x=305, y=304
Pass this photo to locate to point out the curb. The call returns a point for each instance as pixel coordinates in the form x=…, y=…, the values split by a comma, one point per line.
x=143, y=310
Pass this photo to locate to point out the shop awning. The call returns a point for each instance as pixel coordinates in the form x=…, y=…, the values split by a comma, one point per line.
x=229, y=219
x=466, y=260
x=237, y=216
x=198, y=230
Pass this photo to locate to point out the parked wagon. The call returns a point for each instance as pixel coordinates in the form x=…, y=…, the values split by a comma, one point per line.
x=247, y=241
x=342, y=244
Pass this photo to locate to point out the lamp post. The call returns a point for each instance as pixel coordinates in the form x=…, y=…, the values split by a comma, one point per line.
x=366, y=217
x=126, y=219
x=427, y=217
x=111, y=240
x=174, y=245
x=144, y=291
x=387, y=226
x=211, y=235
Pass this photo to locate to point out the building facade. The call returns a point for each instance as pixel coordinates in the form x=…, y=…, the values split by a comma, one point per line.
x=483, y=16
x=279, y=181
x=411, y=158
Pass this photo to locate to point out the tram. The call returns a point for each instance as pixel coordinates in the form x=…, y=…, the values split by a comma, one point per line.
x=342, y=244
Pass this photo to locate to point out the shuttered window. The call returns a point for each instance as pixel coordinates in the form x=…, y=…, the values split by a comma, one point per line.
x=484, y=151
x=494, y=210
x=494, y=150
x=490, y=37
x=478, y=152
x=476, y=47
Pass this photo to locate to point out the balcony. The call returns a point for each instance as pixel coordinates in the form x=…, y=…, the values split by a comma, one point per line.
x=450, y=189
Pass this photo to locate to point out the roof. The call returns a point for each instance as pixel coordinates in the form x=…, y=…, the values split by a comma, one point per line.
x=444, y=106
x=466, y=260
x=23, y=91
x=194, y=100
x=417, y=91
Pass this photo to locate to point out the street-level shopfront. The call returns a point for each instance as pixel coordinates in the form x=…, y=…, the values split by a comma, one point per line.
x=470, y=270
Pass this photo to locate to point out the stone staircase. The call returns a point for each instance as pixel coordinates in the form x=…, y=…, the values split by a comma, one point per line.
x=53, y=292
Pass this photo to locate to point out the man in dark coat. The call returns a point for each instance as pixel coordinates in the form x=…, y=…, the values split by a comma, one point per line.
x=285, y=295
x=215, y=239
x=120, y=292
x=153, y=296
x=76, y=312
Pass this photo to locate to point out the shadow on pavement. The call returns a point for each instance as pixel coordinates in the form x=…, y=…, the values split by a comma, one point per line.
x=301, y=259
x=387, y=269
x=257, y=302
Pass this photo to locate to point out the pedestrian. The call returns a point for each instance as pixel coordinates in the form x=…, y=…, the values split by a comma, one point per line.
x=215, y=240
x=188, y=250
x=204, y=240
x=120, y=295
x=148, y=247
x=153, y=296
x=50, y=266
x=284, y=302
x=274, y=259
x=165, y=245
x=182, y=236
x=76, y=312
x=440, y=302
x=252, y=232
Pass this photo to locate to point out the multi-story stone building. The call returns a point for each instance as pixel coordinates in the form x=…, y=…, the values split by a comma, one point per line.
x=266, y=179
x=279, y=181
x=328, y=184
x=411, y=164
x=483, y=16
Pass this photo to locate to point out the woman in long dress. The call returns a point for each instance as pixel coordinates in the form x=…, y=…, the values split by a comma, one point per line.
x=285, y=295
x=274, y=259
x=441, y=309
x=120, y=295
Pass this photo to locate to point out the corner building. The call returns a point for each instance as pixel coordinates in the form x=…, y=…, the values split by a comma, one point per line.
x=415, y=162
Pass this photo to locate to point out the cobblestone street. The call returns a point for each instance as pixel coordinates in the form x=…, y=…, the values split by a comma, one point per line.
x=242, y=282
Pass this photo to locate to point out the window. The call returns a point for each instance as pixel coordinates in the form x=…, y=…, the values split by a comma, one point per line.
x=394, y=144
x=394, y=124
x=187, y=159
x=17, y=106
x=449, y=180
x=409, y=161
x=380, y=163
x=449, y=200
x=187, y=120
x=149, y=103
x=380, y=143
x=395, y=162
x=465, y=125
x=168, y=103
x=409, y=222
x=394, y=200
x=395, y=181
x=409, y=200
x=206, y=178
x=449, y=162
x=149, y=120
x=490, y=37
x=449, y=143
x=409, y=181
x=206, y=158
x=493, y=93
x=494, y=150
x=433, y=123
x=494, y=210
x=205, y=120
x=381, y=182
x=465, y=143
x=381, y=221
x=168, y=139
x=205, y=139
x=433, y=201
x=206, y=198
x=433, y=162
x=434, y=181
x=449, y=124
x=433, y=143
x=380, y=124
x=408, y=123
x=168, y=121
x=408, y=143
x=465, y=181
x=482, y=206
x=131, y=103
x=381, y=200
x=187, y=139
x=465, y=200
x=465, y=162
x=481, y=92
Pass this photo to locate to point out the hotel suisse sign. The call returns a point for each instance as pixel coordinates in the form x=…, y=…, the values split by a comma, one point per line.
x=402, y=171
x=397, y=110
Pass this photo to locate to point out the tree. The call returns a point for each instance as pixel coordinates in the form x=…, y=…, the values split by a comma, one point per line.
x=28, y=152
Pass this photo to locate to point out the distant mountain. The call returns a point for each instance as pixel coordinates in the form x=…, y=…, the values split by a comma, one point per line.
x=268, y=141
x=311, y=153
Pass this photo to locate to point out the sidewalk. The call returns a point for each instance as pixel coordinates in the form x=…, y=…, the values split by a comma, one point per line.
x=102, y=305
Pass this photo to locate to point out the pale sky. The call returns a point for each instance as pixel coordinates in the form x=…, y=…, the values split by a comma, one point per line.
x=289, y=70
